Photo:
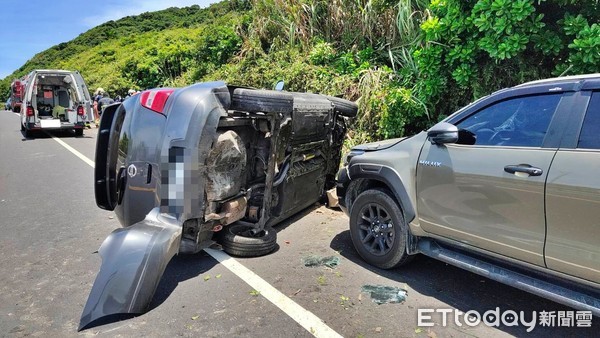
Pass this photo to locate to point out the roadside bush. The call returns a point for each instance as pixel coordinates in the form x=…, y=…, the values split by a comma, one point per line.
x=216, y=45
x=473, y=48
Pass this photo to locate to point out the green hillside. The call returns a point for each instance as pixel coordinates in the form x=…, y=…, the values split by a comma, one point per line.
x=141, y=51
x=408, y=63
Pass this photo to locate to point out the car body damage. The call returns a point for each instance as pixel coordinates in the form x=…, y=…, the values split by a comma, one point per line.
x=133, y=261
x=186, y=168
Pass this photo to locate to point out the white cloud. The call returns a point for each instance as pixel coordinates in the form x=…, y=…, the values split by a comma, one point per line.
x=136, y=7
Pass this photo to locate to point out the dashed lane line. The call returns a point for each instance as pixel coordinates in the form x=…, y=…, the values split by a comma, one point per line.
x=305, y=318
x=71, y=149
x=75, y=152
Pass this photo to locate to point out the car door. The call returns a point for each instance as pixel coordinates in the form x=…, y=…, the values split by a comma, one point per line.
x=573, y=199
x=487, y=190
x=84, y=94
x=28, y=100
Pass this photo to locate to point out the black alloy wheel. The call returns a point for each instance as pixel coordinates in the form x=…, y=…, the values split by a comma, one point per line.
x=378, y=230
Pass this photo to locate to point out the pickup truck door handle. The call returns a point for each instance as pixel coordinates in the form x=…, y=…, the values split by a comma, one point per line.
x=523, y=168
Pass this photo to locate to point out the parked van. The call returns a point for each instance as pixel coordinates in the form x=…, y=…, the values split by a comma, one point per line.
x=55, y=99
x=16, y=95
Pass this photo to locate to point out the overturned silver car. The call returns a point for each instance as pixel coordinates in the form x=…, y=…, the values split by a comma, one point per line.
x=186, y=168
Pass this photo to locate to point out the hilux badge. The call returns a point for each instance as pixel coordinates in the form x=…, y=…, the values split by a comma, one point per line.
x=131, y=170
x=430, y=163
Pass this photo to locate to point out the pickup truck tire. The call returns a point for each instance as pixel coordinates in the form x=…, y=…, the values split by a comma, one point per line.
x=266, y=101
x=237, y=240
x=78, y=132
x=378, y=230
x=343, y=107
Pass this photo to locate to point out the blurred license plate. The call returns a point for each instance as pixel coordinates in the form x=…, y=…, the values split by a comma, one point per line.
x=50, y=123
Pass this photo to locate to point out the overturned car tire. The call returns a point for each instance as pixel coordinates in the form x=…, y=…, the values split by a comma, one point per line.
x=266, y=101
x=238, y=240
x=343, y=107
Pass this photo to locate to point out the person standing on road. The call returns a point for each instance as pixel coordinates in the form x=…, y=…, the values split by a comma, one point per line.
x=130, y=93
x=104, y=101
x=97, y=96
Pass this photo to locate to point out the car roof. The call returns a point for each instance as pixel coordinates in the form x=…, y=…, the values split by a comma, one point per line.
x=562, y=79
x=53, y=71
x=538, y=86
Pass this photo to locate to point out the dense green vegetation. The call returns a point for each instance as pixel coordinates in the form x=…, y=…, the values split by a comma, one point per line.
x=408, y=63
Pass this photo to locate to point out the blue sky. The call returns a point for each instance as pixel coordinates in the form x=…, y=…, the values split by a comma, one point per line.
x=28, y=27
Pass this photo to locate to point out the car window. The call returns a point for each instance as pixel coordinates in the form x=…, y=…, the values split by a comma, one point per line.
x=521, y=121
x=589, y=138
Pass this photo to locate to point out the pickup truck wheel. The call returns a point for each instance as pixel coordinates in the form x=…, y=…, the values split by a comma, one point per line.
x=343, y=107
x=238, y=240
x=78, y=132
x=378, y=230
x=266, y=101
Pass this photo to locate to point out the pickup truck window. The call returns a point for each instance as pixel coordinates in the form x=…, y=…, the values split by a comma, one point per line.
x=521, y=121
x=589, y=137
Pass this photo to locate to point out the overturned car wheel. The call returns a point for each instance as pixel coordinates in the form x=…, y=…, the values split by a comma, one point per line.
x=266, y=101
x=344, y=107
x=238, y=240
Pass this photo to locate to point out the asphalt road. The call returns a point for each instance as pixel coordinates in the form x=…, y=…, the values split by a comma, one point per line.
x=51, y=228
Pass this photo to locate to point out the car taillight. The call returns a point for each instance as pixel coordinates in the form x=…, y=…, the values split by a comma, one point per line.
x=29, y=111
x=155, y=99
x=80, y=111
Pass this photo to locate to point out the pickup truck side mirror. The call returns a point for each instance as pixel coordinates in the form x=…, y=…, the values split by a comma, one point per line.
x=442, y=133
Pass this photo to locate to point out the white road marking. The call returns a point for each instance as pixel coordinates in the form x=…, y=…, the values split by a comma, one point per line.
x=71, y=149
x=17, y=113
x=305, y=318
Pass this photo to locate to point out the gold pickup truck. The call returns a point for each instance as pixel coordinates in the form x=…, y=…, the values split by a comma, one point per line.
x=507, y=187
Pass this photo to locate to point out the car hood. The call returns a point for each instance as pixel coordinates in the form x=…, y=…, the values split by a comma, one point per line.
x=379, y=145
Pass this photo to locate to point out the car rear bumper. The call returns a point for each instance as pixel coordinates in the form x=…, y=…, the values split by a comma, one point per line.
x=61, y=126
x=133, y=261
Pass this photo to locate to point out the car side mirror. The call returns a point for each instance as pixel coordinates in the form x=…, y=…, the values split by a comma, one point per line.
x=443, y=133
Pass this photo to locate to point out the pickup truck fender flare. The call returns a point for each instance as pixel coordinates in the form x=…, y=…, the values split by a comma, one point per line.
x=391, y=179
